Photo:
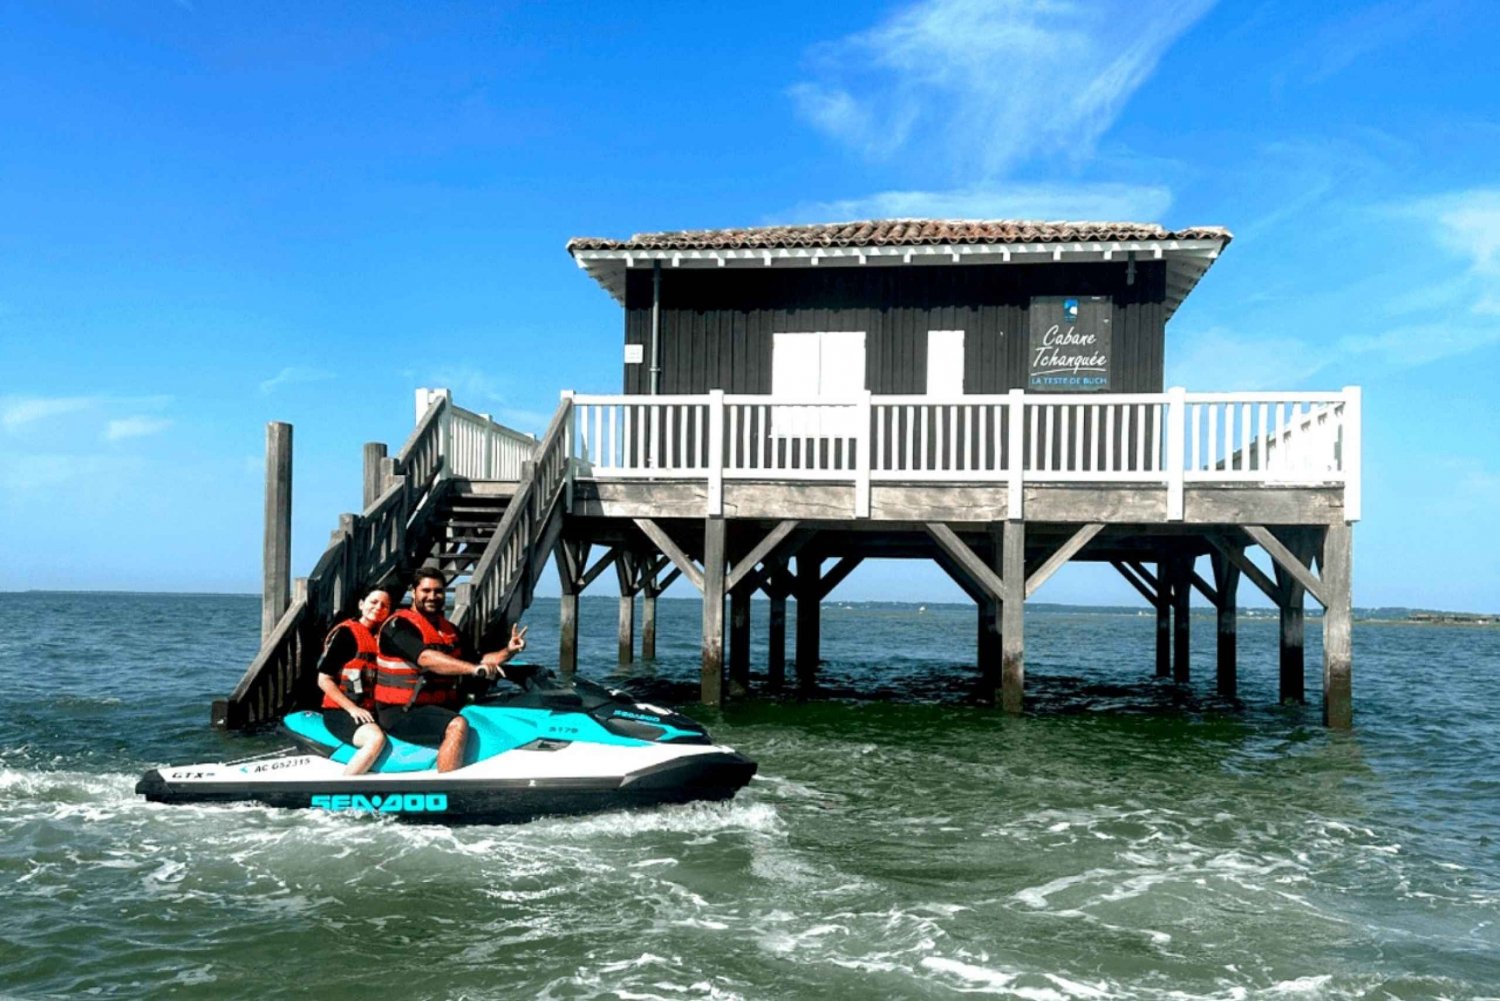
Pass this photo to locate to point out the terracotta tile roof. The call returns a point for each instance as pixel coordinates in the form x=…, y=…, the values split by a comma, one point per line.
x=900, y=232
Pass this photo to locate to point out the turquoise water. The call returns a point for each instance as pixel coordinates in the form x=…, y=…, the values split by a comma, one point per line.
x=1127, y=838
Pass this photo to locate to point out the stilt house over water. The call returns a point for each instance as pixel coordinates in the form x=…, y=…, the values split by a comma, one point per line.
x=988, y=395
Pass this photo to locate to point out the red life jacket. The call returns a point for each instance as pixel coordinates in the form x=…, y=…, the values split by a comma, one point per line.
x=396, y=679
x=357, y=677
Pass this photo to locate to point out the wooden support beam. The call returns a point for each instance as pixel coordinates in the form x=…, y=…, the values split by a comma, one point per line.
x=1135, y=581
x=1337, y=563
x=833, y=578
x=712, y=673
x=670, y=549
x=604, y=562
x=965, y=557
x=276, y=551
x=1152, y=580
x=1064, y=553
x=1227, y=582
x=761, y=550
x=1204, y=587
x=1287, y=560
x=1236, y=555
x=963, y=580
x=648, y=626
x=668, y=580
x=1012, y=595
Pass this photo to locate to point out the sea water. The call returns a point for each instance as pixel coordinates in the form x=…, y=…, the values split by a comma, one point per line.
x=1126, y=838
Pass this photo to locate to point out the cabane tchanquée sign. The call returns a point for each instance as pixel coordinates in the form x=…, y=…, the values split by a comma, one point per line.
x=1070, y=344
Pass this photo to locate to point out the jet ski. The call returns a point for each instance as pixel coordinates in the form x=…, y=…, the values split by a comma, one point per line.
x=548, y=749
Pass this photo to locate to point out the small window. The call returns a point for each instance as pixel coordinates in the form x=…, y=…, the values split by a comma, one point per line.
x=945, y=363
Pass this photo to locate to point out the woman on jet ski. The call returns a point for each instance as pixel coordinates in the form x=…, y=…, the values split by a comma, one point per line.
x=346, y=674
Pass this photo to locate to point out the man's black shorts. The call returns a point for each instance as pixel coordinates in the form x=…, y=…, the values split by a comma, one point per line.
x=423, y=725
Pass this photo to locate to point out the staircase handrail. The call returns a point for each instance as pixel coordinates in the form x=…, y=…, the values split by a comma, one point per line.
x=497, y=573
x=366, y=547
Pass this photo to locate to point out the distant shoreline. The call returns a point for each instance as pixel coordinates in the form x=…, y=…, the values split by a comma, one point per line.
x=1376, y=616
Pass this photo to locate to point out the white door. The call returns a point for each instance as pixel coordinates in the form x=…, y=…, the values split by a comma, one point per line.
x=945, y=363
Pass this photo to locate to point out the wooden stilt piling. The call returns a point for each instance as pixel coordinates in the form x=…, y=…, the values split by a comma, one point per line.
x=374, y=478
x=1226, y=583
x=712, y=673
x=1163, y=619
x=1292, y=633
x=739, y=640
x=1338, y=621
x=276, y=556
x=1182, y=592
x=988, y=648
x=776, y=641
x=1012, y=617
x=809, y=621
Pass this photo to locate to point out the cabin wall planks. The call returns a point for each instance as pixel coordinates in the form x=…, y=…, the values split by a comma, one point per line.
x=717, y=325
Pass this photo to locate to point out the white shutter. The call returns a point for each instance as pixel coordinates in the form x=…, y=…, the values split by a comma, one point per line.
x=794, y=365
x=945, y=363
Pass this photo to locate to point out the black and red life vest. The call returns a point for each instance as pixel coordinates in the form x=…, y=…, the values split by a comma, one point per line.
x=396, y=679
x=357, y=677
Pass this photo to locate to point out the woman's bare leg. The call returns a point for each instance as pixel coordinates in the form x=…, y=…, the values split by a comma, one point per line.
x=370, y=739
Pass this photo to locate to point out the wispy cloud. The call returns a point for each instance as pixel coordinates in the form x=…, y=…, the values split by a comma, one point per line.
x=1224, y=360
x=1465, y=224
x=17, y=412
x=292, y=375
x=135, y=427
x=1001, y=201
x=982, y=85
x=1344, y=41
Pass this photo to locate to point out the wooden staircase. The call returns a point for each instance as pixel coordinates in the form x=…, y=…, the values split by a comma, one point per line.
x=482, y=503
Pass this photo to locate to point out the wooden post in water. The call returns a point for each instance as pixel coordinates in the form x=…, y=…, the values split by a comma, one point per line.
x=776, y=626
x=627, y=570
x=1182, y=591
x=1227, y=583
x=375, y=452
x=1163, y=618
x=739, y=640
x=712, y=673
x=276, y=553
x=1338, y=626
x=809, y=622
x=988, y=647
x=1012, y=617
x=1293, y=659
x=649, y=591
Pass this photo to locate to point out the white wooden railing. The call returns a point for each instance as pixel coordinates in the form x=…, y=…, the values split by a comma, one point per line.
x=1171, y=438
x=473, y=445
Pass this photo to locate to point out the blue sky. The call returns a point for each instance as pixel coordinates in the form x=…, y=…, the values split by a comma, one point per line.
x=214, y=215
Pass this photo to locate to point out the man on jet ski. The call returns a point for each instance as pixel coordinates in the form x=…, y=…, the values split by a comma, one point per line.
x=420, y=660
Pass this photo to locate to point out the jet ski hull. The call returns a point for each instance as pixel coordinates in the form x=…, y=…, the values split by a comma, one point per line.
x=430, y=797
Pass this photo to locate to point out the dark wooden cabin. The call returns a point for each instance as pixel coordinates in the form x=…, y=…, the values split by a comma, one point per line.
x=985, y=394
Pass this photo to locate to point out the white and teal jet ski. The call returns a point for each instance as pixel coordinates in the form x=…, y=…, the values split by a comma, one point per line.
x=545, y=750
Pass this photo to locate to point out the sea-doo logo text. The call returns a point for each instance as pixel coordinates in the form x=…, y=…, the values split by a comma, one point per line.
x=412, y=802
x=643, y=716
